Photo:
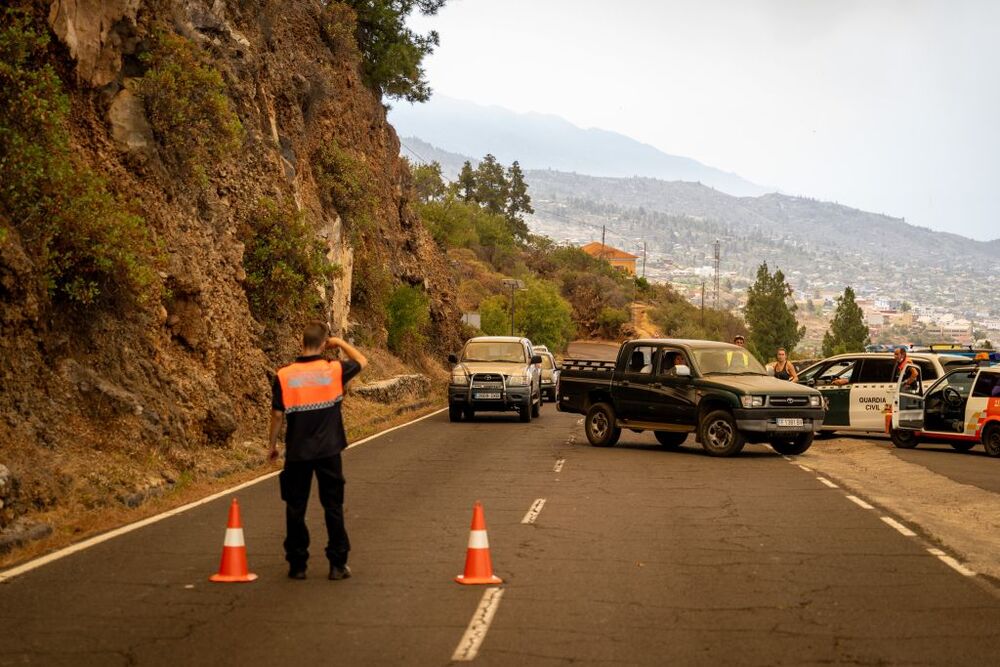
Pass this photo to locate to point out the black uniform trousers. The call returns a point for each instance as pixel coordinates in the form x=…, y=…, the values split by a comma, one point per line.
x=296, y=483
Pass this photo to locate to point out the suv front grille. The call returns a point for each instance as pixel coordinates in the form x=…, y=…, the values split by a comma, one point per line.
x=487, y=381
x=787, y=401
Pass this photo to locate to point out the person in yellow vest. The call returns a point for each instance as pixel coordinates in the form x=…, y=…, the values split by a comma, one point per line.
x=307, y=394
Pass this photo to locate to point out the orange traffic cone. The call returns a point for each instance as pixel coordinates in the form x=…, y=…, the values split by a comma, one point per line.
x=478, y=566
x=234, y=550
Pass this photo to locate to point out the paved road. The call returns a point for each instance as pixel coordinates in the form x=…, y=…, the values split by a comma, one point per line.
x=638, y=556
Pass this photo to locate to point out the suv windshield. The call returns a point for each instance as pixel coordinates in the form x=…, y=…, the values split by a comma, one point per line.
x=730, y=362
x=494, y=351
x=547, y=362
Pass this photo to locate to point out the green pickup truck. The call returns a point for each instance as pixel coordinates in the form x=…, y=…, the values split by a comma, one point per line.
x=672, y=387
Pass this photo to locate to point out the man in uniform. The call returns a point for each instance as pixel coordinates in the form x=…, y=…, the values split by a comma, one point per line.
x=307, y=394
x=911, y=381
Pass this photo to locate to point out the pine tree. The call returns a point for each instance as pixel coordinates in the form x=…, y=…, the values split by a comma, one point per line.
x=467, y=182
x=491, y=185
x=847, y=332
x=518, y=201
x=770, y=314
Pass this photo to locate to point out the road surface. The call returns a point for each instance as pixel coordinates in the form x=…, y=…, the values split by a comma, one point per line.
x=637, y=556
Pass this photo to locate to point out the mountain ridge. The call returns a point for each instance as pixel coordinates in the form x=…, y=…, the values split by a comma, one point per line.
x=540, y=141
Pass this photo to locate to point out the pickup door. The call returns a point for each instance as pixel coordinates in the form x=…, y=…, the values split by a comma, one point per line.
x=633, y=391
x=649, y=392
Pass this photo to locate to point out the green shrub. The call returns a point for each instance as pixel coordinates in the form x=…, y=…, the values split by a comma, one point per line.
x=409, y=315
x=610, y=321
x=371, y=286
x=187, y=107
x=346, y=184
x=540, y=313
x=85, y=245
x=285, y=262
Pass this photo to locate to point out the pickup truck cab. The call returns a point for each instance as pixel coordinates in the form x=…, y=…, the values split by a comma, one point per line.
x=497, y=374
x=675, y=387
x=962, y=408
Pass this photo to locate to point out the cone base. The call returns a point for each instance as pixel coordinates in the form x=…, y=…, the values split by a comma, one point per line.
x=478, y=580
x=230, y=578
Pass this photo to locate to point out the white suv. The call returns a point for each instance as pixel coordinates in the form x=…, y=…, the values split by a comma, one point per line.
x=859, y=388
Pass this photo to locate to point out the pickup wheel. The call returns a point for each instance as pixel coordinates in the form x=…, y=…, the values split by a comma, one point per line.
x=455, y=413
x=670, y=439
x=962, y=446
x=524, y=411
x=719, y=435
x=469, y=414
x=600, y=425
x=903, y=439
x=991, y=439
x=793, y=447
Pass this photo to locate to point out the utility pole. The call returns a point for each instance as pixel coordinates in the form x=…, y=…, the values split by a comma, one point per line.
x=603, y=247
x=715, y=296
x=702, y=307
x=513, y=285
x=644, y=258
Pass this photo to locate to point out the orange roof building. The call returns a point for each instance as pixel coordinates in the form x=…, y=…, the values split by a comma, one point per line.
x=617, y=258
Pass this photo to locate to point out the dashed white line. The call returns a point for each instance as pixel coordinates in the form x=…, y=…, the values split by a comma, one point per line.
x=468, y=645
x=788, y=458
x=806, y=468
x=952, y=562
x=898, y=526
x=534, y=511
x=559, y=465
x=860, y=503
x=828, y=482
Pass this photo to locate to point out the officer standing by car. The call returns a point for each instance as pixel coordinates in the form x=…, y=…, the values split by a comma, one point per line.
x=308, y=394
x=902, y=361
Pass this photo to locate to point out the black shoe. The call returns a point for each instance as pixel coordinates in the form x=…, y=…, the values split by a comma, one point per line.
x=297, y=572
x=337, y=572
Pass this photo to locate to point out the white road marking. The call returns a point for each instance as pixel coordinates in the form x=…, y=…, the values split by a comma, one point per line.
x=860, y=503
x=788, y=458
x=117, y=532
x=468, y=645
x=579, y=422
x=534, y=511
x=806, y=468
x=898, y=526
x=828, y=482
x=953, y=563
x=558, y=466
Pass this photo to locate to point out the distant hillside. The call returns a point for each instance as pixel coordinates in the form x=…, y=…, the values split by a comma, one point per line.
x=541, y=141
x=819, y=245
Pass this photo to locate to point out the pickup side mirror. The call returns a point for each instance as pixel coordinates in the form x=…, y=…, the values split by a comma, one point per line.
x=536, y=358
x=452, y=359
x=682, y=371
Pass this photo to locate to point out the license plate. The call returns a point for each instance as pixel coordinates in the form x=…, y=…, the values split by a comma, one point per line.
x=786, y=421
x=495, y=396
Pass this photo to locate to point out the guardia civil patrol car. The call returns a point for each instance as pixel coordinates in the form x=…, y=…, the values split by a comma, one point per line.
x=962, y=408
x=859, y=388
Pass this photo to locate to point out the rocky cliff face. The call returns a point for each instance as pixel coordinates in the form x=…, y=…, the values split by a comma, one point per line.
x=99, y=403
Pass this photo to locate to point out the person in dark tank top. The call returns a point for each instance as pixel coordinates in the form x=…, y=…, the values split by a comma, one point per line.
x=783, y=368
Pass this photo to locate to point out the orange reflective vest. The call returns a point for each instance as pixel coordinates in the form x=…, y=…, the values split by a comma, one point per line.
x=311, y=385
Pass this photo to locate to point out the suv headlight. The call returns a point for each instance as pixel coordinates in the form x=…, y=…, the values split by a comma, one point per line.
x=814, y=401
x=517, y=381
x=752, y=401
x=461, y=379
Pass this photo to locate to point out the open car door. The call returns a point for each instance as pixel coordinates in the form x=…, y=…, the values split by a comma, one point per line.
x=908, y=404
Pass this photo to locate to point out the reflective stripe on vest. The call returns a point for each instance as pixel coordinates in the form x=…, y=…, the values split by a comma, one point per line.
x=311, y=385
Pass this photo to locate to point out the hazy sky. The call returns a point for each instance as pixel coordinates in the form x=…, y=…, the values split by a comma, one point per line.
x=887, y=106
